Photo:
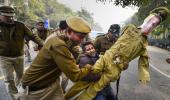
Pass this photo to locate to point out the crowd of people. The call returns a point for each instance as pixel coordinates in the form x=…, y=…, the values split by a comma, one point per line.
x=68, y=52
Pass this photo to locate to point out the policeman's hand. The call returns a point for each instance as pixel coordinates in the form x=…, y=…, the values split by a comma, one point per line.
x=142, y=87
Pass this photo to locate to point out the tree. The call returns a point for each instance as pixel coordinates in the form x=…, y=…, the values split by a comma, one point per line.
x=125, y=3
x=163, y=31
x=30, y=11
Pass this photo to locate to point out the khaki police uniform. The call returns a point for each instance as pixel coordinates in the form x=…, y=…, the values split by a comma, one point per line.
x=124, y=50
x=41, y=79
x=12, y=50
x=42, y=35
x=103, y=43
x=130, y=45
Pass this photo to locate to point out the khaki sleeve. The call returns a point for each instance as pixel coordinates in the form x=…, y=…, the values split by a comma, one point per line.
x=110, y=72
x=144, y=75
x=32, y=36
x=67, y=64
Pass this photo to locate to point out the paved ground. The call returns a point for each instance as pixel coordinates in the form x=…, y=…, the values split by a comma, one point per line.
x=157, y=59
x=159, y=88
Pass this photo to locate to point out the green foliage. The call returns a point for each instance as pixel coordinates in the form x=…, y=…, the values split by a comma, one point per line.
x=125, y=3
x=86, y=15
x=158, y=31
x=30, y=11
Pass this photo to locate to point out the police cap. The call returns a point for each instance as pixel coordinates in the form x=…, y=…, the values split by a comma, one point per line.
x=6, y=11
x=78, y=24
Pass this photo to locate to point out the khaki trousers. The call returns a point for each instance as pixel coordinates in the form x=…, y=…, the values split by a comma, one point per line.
x=52, y=92
x=8, y=65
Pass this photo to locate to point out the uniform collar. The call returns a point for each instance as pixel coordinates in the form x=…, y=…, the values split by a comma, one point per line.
x=68, y=42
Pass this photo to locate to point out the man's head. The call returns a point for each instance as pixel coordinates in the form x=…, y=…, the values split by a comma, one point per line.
x=88, y=48
x=63, y=25
x=154, y=19
x=6, y=14
x=77, y=29
x=114, y=31
x=40, y=25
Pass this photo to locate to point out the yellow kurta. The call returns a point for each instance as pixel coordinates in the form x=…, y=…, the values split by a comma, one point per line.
x=130, y=45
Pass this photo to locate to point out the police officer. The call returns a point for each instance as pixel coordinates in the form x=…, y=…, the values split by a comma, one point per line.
x=104, y=42
x=41, y=79
x=41, y=31
x=12, y=35
x=130, y=45
x=62, y=28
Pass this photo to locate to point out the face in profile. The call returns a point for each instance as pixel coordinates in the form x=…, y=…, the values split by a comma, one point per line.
x=76, y=37
x=149, y=24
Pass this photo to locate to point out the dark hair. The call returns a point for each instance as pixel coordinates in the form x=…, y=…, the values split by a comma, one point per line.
x=87, y=43
x=114, y=28
x=40, y=21
x=63, y=25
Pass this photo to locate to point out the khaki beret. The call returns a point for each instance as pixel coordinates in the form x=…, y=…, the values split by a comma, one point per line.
x=161, y=12
x=78, y=24
x=6, y=11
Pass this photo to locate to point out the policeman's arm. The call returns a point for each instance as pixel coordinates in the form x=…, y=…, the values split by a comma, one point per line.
x=91, y=77
x=33, y=37
x=143, y=72
x=67, y=64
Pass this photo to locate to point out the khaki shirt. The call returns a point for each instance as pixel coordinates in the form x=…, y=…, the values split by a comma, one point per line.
x=130, y=45
x=54, y=58
x=12, y=39
x=43, y=35
x=102, y=43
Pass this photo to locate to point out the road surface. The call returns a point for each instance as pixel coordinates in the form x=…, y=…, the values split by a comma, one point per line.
x=158, y=89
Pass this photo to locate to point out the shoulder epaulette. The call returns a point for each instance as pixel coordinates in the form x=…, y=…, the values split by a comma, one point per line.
x=127, y=27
